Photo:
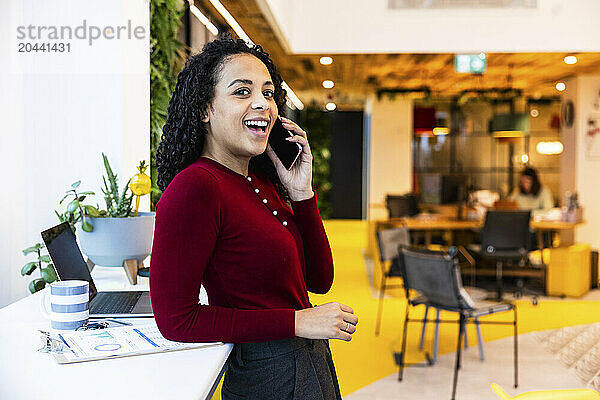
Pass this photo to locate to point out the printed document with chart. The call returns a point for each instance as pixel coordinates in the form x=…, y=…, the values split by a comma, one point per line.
x=119, y=342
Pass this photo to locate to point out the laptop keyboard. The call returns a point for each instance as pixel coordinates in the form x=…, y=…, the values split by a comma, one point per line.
x=115, y=302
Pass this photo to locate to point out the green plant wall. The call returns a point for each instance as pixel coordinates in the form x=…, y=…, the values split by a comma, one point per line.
x=166, y=60
x=317, y=125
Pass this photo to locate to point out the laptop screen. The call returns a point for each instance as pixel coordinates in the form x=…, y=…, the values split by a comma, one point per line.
x=66, y=256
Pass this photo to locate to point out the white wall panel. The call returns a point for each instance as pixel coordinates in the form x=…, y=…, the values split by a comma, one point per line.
x=59, y=111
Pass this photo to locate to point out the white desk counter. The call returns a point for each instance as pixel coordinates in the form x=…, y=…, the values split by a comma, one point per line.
x=28, y=374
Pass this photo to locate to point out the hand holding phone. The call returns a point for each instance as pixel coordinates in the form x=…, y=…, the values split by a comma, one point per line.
x=287, y=152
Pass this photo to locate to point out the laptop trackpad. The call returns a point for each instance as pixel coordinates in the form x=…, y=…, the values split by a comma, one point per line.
x=143, y=306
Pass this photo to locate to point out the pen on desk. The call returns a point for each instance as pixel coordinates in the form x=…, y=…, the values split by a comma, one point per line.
x=119, y=322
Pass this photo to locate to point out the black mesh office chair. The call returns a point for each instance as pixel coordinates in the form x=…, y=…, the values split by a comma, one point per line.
x=388, y=241
x=505, y=238
x=432, y=279
x=401, y=206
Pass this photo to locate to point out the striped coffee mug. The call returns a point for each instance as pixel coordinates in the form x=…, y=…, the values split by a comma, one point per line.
x=66, y=305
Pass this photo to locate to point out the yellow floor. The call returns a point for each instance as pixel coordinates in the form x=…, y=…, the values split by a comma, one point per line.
x=367, y=357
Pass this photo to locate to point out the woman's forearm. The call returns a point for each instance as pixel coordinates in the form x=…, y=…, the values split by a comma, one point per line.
x=317, y=252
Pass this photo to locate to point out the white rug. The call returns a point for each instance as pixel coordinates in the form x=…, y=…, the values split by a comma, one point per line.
x=578, y=348
x=539, y=369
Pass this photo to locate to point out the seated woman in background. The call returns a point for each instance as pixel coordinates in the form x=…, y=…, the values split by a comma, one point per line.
x=531, y=195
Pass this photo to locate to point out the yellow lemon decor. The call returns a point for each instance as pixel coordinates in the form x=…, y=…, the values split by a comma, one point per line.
x=140, y=185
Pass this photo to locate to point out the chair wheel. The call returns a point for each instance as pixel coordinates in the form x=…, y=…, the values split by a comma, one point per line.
x=518, y=295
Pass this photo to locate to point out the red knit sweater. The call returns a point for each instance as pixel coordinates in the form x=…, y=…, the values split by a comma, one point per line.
x=255, y=256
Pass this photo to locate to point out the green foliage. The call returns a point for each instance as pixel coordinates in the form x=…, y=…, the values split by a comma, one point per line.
x=75, y=210
x=316, y=123
x=117, y=206
x=36, y=285
x=166, y=60
x=48, y=273
x=32, y=249
x=43, y=263
x=28, y=268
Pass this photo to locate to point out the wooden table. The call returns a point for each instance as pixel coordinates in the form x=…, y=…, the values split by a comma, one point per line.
x=429, y=223
x=549, y=226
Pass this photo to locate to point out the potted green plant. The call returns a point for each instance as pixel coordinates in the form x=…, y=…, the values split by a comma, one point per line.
x=108, y=237
x=117, y=235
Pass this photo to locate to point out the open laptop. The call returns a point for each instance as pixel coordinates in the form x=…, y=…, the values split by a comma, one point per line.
x=69, y=264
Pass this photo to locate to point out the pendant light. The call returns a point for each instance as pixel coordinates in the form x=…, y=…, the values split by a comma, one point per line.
x=442, y=126
x=508, y=127
x=511, y=125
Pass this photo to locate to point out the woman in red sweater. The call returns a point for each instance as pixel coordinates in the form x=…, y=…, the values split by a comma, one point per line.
x=233, y=219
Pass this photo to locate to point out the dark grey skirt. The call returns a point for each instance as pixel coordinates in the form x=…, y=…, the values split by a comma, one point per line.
x=295, y=369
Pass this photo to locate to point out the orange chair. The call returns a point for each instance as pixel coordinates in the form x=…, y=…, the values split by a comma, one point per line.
x=571, y=394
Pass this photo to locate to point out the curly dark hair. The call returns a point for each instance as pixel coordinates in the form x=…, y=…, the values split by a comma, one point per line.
x=184, y=132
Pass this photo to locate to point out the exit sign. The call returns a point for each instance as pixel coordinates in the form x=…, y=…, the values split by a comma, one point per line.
x=470, y=63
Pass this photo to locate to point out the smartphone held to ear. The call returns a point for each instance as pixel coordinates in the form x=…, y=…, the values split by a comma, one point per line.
x=288, y=152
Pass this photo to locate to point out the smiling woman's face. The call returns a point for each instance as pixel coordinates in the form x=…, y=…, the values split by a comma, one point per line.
x=243, y=109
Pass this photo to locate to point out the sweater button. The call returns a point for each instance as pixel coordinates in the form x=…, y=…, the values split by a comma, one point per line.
x=256, y=190
x=284, y=223
x=274, y=212
x=265, y=201
x=249, y=179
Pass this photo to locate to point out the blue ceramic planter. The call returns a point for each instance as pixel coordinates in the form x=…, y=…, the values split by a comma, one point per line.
x=115, y=240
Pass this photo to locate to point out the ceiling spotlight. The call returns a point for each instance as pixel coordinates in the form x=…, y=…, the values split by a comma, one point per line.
x=552, y=147
x=524, y=158
x=330, y=106
x=326, y=60
x=440, y=131
x=570, y=60
x=327, y=84
x=534, y=112
x=560, y=86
